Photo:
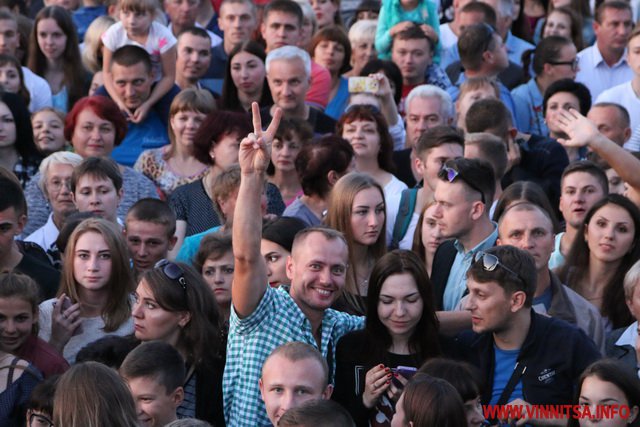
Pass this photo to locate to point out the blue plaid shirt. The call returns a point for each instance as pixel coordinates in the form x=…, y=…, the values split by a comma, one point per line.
x=277, y=320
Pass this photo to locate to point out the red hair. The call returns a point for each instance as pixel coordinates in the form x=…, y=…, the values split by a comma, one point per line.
x=103, y=107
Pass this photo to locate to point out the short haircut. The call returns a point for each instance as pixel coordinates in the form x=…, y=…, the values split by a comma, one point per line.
x=414, y=32
x=480, y=7
x=188, y=422
x=289, y=53
x=12, y=194
x=109, y=350
x=98, y=168
x=155, y=211
x=476, y=83
x=6, y=15
x=631, y=280
x=156, y=360
x=477, y=172
x=284, y=6
x=431, y=91
x=590, y=168
x=328, y=233
x=223, y=187
x=623, y=113
x=335, y=34
x=295, y=351
x=316, y=160
x=196, y=31
x=529, y=192
x=363, y=30
x=613, y=4
x=130, y=55
x=215, y=126
x=247, y=2
x=140, y=6
x=527, y=207
x=437, y=136
x=489, y=115
x=474, y=41
x=317, y=413
x=548, y=51
x=491, y=149
x=213, y=246
x=103, y=107
x=282, y=231
x=579, y=90
x=513, y=259
x=57, y=158
x=464, y=377
x=389, y=69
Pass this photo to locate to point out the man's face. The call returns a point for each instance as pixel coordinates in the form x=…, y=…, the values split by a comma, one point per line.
x=155, y=406
x=238, y=22
x=499, y=54
x=531, y=231
x=287, y=384
x=412, y=56
x=11, y=224
x=579, y=192
x=194, y=56
x=433, y=159
x=423, y=114
x=454, y=211
x=280, y=29
x=148, y=243
x=97, y=195
x=133, y=84
x=9, y=37
x=288, y=82
x=614, y=30
x=182, y=13
x=317, y=270
x=489, y=305
x=609, y=123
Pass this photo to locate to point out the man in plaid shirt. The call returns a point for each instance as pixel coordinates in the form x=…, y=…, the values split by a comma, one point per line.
x=262, y=317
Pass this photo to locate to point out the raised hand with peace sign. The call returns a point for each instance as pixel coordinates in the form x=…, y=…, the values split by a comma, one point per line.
x=255, y=149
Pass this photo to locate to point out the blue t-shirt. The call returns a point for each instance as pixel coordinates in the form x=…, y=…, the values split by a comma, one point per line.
x=544, y=299
x=505, y=362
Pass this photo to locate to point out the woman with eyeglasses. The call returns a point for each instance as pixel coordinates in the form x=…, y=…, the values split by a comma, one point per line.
x=173, y=304
x=94, y=298
x=596, y=264
x=357, y=209
x=401, y=332
x=554, y=58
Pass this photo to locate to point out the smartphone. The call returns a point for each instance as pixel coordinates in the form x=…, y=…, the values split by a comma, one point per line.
x=406, y=371
x=363, y=84
x=66, y=303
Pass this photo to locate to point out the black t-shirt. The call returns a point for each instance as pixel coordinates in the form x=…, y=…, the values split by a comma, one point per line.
x=47, y=278
x=319, y=121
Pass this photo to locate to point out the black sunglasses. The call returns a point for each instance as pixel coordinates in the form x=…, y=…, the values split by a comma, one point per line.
x=450, y=174
x=173, y=271
x=573, y=64
x=490, y=262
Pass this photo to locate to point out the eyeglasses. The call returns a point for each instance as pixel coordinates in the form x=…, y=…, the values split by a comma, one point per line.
x=450, y=174
x=38, y=420
x=490, y=262
x=173, y=272
x=57, y=184
x=573, y=64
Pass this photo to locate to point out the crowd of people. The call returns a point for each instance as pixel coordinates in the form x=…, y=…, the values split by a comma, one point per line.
x=339, y=213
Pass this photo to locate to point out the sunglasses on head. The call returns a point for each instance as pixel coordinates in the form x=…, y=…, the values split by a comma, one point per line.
x=450, y=174
x=173, y=271
x=490, y=262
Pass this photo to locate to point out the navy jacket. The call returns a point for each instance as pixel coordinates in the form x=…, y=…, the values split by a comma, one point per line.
x=554, y=352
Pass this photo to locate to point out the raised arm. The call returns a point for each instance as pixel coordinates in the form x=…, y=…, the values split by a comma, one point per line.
x=250, y=275
x=582, y=132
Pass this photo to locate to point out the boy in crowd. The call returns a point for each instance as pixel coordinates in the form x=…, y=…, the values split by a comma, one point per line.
x=96, y=185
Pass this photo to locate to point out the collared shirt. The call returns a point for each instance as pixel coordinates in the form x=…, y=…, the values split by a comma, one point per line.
x=516, y=47
x=457, y=281
x=277, y=320
x=629, y=336
x=45, y=237
x=597, y=75
x=528, y=103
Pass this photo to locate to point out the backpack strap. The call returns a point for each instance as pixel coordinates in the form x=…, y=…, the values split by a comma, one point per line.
x=408, y=200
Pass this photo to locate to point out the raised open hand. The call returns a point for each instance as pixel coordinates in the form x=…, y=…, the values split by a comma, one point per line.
x=255, y=149
x=578, y=128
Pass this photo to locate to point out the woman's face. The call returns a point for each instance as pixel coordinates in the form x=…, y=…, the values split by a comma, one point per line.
x=248, y=73
x=275, y=257
x=152, y=322
x=7, y=127
x=225, y=152
x=596, y=393
x=185, y=124
x=364, y=137
x=616, y=184
x=92, y=262
x=610, y=233
x=96, y=82
x=284, y=153
x=557, y=102
x=362, y=52
x=9, y=78
x=325, y=11
x=93, y=136
x=473, y=412
x=17, y=317
x=58, y=189
x=48, y=131
x=218, y=273
x=329, y=54
x=51, y=39
x=367, y=216
x=400, y=305
x=557, y=24
x=431, y=235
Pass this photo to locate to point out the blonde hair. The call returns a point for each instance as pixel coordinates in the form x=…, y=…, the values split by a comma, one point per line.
x=92, y=53
x=475, y=83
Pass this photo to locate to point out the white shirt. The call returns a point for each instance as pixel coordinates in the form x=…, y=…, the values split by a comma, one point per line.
x=39, y=90
x=392, y=192
x=597, y=75
x=447, y=37
x=624, y=95
x=46, y=235
x=215, y=39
